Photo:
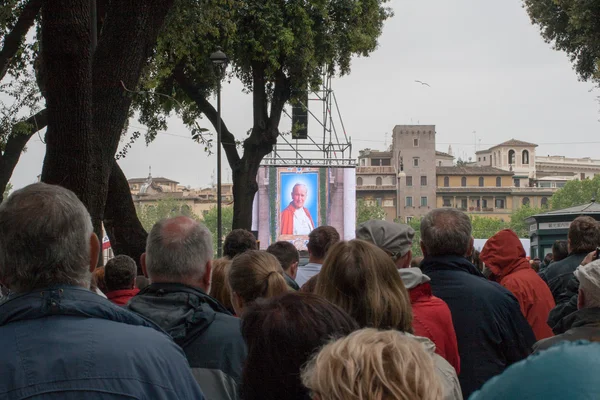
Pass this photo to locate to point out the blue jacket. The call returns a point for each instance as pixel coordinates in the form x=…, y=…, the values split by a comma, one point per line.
x=491, y=331
x=566, y=371
x=69, y=343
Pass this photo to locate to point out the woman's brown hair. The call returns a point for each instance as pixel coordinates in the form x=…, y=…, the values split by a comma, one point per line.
x=219, y=288
x=363, y=280
x=255, y=274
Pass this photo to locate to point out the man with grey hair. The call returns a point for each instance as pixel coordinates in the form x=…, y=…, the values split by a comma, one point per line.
x=178, y=262
x=58, y=339
x=585, y=322
x=491, y=331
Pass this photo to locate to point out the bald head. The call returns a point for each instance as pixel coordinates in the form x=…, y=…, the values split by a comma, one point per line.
x=178, y=249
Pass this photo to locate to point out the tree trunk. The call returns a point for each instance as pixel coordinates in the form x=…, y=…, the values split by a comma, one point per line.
x=72, y=157
x=127, y=236
x=14, y=147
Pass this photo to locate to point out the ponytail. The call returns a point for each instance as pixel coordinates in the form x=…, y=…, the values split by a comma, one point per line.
x=255, y=274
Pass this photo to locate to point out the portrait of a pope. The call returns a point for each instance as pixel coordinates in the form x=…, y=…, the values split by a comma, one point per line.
x=295, y=218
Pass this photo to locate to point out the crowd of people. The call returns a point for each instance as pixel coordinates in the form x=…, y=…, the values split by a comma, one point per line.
x=363, y=319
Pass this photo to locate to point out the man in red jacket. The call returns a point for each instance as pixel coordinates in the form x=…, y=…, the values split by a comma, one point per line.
x=505, y=256
x=119, y=277
x=431, y=315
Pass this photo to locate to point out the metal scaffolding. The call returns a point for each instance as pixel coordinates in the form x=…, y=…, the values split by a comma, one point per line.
x=330, y=148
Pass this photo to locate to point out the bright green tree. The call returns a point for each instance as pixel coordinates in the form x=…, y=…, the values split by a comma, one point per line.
x=368, y=210
x=571, y=26
x=210, y=220
x=517, y=219
x=576, y=192
x=486, y=227
x=277, y=49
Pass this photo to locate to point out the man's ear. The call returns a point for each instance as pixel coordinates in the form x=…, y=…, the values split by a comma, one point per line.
x=423, y=249
x=407, y=259
x=470, y=249
x=580, y=299
x=94, y=251
x=294, y=269
x=207, y=275
x=143, y=264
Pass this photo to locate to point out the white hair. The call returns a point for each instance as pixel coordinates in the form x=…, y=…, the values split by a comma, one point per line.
x=45, y=235
x=589, y=282
x=300, y=185
x=178, y=253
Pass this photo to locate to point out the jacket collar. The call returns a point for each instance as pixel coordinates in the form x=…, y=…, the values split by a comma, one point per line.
x=449, y=263
x=182, y=311
x=66, y=300
x=162, y=289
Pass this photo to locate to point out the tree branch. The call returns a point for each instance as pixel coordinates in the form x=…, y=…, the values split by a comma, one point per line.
x=259, y=97
x=15, y=145
x=227, y=138
x=281, y=95
x=13, y=40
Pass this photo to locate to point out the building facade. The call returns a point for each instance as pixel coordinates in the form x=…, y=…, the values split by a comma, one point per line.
x=147, y=192
x=414, y=156
x=513, y=155
x=376, y=180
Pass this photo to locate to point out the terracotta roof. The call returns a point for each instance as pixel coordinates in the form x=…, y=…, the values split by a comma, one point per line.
x=376, y=154
x=157, y=179
x=511, y=142
x=442, y=154
x=475, y=170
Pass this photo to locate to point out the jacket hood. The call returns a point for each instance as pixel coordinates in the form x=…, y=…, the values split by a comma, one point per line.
x=182, y=311
x=503, y=253
x=427, y=344
x=412, y=277
x=580, y=318
x=66, y=300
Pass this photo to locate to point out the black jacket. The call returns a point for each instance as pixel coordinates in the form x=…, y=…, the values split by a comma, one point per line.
x=558, y=274
x=491, y=331
x=566, y=305
x=209, y=336
x=583, y=324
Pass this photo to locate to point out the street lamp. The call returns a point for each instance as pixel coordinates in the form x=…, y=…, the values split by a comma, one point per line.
x=219, y=59
x=401, y=175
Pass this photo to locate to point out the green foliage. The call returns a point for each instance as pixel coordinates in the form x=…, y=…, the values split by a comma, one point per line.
x=576, y=193
x=210, y=220
x=486, y=227
x=517, y=219
x=573, y=27
x=286, y=45
x=366, y=211
x=167, y=207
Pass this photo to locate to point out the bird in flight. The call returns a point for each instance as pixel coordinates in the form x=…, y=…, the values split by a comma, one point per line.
x=423, y=83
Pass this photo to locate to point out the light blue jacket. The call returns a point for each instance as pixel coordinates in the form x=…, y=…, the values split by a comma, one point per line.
x=565, y=371
x=69, y=343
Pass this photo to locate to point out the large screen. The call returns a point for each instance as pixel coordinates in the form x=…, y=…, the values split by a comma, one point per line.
x=292, y=201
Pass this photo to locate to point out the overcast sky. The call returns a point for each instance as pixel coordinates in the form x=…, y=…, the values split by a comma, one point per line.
x=490, y=73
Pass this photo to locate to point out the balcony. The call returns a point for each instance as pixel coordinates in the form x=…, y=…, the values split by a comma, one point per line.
x=375, y=170
x=376, y=188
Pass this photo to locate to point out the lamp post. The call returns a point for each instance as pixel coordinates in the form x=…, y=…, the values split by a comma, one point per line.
x=401, y=175
x=219, y=59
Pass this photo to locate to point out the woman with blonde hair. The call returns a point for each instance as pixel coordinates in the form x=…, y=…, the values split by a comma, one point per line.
x=371, y=364
x=252, y=275
x=219, y=287
x=363, y=280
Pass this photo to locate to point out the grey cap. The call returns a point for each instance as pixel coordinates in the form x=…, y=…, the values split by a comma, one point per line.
x=394, y=238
